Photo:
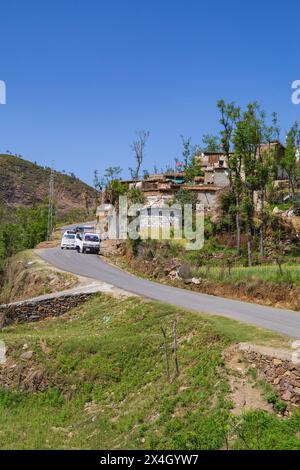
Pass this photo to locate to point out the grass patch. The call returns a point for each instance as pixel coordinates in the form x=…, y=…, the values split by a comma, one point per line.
x=267, y=273
x=107, y=387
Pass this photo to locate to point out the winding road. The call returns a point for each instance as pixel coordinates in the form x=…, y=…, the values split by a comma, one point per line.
x=282, y=321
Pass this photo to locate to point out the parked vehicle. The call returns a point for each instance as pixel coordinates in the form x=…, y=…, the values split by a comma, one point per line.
x=68, y=241
x=88, y=243
x=84, y=228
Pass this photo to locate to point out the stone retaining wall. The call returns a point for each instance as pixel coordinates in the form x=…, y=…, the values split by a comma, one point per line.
x=34, y=311
x=278, y=368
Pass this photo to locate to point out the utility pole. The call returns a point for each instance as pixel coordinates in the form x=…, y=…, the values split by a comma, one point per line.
x=50, y=203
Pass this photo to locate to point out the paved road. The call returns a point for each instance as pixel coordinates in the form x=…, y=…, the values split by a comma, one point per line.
x=282, y=321
x=73, y=226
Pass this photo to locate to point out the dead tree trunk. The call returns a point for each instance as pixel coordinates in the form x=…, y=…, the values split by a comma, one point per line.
x=166, y=354
x=262, y=226
x=238, y=227
x=249, y=247
x=176, y=366
x=279, y=264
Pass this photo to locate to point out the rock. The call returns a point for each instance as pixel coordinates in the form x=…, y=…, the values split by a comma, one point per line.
x=92, y=409
x=287, y=396
x=295, y=382
x=44, y=347
x=173, y=274
x=35, y=311
x=289, y=213
x=282, y=373
x=276, y=210
x=26, y=356
x=195, y=280
x=185, y=272
x=279, y=371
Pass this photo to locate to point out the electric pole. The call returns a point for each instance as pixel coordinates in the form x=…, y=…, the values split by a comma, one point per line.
x=50, y=203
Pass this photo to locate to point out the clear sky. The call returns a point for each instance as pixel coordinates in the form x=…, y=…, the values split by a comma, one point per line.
x=83, y=75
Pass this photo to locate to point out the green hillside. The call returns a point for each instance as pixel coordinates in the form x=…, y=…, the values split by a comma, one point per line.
x=95, y=379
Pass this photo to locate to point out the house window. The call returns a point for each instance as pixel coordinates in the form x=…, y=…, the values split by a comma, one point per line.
x=172, y=218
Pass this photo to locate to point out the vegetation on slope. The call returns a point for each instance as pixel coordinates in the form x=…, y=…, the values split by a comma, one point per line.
x=214, y=270
x=24, y=190
x=96, y=380
x=21, y=229
x=23, y=183
x=27, y=276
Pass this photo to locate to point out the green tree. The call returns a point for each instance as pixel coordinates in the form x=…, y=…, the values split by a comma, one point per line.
x=98, y=184
x=248, y=138
x=211, y=143
x=230, y=115
x=21, y=229
x=263, y=173
x=113, y=190
x=266, y=169
x=187, y=151
x=290, y=161
x=135, y=196
x=111, y=173
x=194, y=169
x=185, y=196
x=113, y=186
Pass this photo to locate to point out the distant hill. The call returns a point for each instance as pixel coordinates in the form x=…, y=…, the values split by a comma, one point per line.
x=26, y=183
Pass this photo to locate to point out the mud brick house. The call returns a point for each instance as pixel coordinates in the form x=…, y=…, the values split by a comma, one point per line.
x=159, y=191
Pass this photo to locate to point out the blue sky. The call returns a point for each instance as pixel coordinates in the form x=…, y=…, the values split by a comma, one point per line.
x=83, y=76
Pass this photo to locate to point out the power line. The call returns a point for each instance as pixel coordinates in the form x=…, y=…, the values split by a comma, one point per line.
x=50, y=203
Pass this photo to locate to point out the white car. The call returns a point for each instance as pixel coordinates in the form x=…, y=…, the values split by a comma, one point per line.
x=68, y=241
x=87, y=243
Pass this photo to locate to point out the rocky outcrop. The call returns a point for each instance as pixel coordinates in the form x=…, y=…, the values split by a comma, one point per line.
x=279, y=367
x=113, y=247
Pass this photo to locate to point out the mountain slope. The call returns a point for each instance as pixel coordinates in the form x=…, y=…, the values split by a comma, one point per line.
x=25, y=183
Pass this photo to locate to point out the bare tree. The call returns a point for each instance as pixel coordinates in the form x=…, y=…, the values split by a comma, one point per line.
x=176, y=366
x=98, y=184
x=166, y=354
x=138, y=147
